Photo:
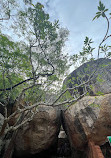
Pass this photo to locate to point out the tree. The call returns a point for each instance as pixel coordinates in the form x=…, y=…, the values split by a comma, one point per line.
x=87, y=52
x=46, y=45
x=31, y=65
x=102, y=13
x=85, y=55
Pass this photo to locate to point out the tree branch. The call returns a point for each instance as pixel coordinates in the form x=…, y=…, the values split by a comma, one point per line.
x=105, y=37
x=31, y=78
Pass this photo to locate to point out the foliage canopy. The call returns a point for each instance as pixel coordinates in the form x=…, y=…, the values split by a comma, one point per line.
x=36, y=60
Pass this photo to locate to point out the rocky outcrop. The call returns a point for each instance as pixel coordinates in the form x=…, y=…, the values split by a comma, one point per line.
x=39, y=134
x=94, y=151
x=88, y=119
x=100, y=72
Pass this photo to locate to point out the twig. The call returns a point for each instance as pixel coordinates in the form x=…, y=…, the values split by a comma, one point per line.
x=105, y=37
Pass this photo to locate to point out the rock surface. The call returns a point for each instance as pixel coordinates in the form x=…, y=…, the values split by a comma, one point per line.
x=39, y=134
x=101, y=81
x=94, y=151
x=88, y=119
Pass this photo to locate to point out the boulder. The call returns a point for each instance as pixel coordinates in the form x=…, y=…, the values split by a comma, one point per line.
x=100, y=73
x=39, y=134
x=89, y=119
x=94, y=151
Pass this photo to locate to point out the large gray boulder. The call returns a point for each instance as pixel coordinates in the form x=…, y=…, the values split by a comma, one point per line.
x=40, y=134
x=89, y=119
x=100, y=72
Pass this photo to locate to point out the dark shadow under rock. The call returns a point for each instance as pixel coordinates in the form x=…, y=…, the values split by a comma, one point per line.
x=106, y=150
x=49, y=153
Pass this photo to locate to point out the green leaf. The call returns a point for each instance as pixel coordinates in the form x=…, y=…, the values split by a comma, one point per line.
x=105, y=10
x=97, y=16
x=33, y=5
x=101, y=6
x=99, y=93
x=98, y=13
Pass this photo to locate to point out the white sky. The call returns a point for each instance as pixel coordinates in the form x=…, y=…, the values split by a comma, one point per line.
x=77, y=15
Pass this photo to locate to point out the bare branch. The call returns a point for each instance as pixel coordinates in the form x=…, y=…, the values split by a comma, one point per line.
x=24, y=90
x=27, y=80
x=68, y=90
x=13, y=128
x=70, y=101
x=2, y=104
x=105, y=37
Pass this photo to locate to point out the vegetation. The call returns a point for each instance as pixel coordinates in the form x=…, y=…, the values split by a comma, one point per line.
x=32, y=65
x=87, y=52
x=37, y=59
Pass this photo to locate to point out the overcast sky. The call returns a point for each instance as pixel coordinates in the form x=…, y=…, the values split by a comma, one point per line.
x=77, y=15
